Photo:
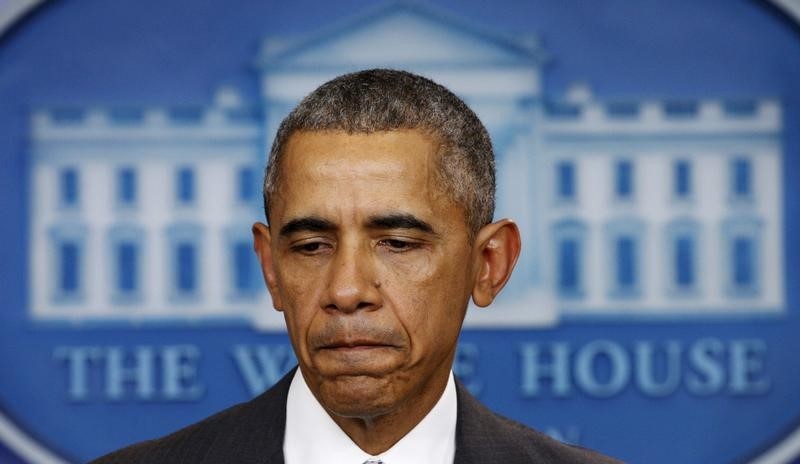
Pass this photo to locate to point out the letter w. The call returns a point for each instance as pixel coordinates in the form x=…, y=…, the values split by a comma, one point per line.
x=261, y=366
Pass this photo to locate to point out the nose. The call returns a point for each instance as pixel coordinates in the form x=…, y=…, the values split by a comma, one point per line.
x=352, y=284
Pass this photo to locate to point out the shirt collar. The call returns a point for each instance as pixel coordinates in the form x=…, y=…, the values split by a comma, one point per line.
x=312, y=436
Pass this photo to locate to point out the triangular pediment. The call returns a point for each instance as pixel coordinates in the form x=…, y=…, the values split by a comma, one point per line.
x=400, y=34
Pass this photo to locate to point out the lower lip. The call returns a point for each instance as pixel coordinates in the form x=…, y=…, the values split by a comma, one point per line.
x=356, y=348
x=369, y=360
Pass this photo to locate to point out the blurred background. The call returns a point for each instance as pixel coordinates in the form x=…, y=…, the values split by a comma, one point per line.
x=647, y=149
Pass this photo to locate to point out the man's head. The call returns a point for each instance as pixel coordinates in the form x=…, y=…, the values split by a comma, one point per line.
x=368, y=253
x=383, y=100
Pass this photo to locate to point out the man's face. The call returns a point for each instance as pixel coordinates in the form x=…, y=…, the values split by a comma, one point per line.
x=372, y=265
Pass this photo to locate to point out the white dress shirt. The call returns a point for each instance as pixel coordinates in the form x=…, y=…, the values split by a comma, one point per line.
x=312, y=437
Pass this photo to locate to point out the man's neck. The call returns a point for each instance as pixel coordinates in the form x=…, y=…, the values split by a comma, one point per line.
x=378, y=433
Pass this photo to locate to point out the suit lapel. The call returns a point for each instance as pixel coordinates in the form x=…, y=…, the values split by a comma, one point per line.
x=269, y=422
x=470, y=436
x=277, y=456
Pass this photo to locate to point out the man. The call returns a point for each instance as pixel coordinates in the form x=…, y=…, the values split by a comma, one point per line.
x=379, y=196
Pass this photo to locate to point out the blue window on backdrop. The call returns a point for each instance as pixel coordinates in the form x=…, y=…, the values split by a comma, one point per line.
x=682, y=255
x=184, y=241
x=684, y=262
x=623, y=180
x=570, y=242
x=741, y=178
x=186, y=267
x=565, y=175
x=743, y=262
x=246, y=184
x=625, y=249
x=127, y=262
x=682, y=179
x=69, y=279
x=126, y=186
x=68, y=261
x=69, y=187
x=185, y=185
x=569, y=266
x=245, y=269
x=742, y=249
x=624, y=244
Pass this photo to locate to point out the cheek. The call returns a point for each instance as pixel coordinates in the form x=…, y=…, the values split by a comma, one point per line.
x=413, y=268
x=429, y=297
x=297, y=279
x=299, y=293
x=438, y=276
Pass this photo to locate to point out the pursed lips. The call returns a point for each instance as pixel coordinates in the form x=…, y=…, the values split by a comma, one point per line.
x=354, y=355
x=356, y=344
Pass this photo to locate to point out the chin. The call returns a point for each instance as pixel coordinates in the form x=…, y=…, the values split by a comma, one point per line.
x=358, y=396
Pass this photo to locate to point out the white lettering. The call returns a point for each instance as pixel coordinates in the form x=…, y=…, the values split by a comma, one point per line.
x=590, y=359
x=534, y=369
x=708, y=377
x=142, y=373
x=261, y=366
x=78, y=360
x=180, y=373
x=747, y=367
x=604, y=368
x=646, y=356
x=136, y=369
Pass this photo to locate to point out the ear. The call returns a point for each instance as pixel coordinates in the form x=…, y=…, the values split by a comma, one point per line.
x=497, y=249
x=262, y=241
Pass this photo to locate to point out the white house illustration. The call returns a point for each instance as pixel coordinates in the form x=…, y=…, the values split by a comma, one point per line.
x=667, y=208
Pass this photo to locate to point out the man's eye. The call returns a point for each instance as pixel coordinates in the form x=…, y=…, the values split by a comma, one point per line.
x=309, y=248
x=398, y=245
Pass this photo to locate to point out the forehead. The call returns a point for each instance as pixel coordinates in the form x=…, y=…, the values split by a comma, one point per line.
x=334, y=170
x=400, y=148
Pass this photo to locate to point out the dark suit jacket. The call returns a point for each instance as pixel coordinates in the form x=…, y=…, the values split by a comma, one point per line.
x=252, y=432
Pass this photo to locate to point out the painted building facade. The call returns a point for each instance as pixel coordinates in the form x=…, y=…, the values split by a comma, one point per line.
x=641, y=207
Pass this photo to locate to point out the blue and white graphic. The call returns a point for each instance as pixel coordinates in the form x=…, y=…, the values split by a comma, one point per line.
x=648, y=151
x=664, y=207
x=636, y=206
x=144, y=213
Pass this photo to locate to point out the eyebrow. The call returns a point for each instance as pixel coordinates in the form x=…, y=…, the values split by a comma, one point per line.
x=307, y=224
x=399, y=221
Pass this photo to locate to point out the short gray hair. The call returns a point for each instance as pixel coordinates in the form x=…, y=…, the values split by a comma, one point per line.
x=382, y=100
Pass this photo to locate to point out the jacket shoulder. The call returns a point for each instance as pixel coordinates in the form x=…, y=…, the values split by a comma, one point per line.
x=247, y=432
x=484, y=436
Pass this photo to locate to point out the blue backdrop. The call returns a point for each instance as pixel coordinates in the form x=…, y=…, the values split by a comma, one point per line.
x=144, y=53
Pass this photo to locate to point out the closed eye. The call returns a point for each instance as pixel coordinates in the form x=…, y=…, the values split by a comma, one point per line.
x=398, y=245
x=310, y=248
